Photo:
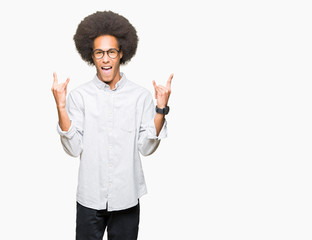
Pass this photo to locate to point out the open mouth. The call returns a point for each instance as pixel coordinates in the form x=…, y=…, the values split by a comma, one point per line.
x=106, y=69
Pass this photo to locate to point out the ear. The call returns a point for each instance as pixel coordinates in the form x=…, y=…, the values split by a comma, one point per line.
x=121, y=54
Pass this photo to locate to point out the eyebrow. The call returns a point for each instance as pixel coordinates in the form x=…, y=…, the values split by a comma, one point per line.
x=104, y=50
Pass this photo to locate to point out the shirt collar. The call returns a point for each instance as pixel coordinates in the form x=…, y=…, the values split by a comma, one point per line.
x=102, y=85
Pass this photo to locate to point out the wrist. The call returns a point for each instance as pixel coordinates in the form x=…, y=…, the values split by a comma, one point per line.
x=164, y=110
x=61, y=107
x=161, y=106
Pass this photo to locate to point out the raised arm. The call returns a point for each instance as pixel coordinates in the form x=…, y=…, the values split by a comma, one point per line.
x=162, y=94
x=154, y=126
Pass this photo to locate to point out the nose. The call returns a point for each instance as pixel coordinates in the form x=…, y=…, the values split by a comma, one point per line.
x=105, y=58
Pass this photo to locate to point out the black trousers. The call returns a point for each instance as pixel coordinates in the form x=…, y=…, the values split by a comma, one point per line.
x=121, y=225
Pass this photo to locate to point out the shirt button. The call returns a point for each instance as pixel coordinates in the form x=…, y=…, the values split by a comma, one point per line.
x=110, y=147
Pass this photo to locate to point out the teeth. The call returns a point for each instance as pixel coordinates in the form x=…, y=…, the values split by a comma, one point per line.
x=106, y=67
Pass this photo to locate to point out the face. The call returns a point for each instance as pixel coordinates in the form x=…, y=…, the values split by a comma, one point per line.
x=107, y=68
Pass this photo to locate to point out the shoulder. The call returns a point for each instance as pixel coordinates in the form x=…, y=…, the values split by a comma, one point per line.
x=138, y=90
x=83, y=89
x=81, y=92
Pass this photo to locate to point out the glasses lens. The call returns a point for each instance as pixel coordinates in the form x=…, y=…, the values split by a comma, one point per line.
x=112, y=53
x=98, y=54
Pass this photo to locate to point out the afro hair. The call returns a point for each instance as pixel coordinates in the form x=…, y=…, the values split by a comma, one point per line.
x=102, y=23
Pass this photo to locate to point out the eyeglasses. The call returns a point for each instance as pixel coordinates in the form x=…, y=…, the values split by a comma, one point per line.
x=112, y=53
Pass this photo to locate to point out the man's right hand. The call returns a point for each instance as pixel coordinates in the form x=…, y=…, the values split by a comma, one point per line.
x=59, y=91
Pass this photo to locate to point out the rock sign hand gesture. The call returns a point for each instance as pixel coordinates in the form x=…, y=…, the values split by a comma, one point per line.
x=162, y=93
x=59, y=91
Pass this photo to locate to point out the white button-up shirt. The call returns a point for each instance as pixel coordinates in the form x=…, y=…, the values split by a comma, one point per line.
x=108, y=130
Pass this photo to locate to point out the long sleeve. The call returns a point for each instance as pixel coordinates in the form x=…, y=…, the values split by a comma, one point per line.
x=72, y=139
x=148, y=140
x=110, y=130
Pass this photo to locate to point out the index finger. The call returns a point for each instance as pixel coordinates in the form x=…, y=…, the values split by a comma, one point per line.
x=54, y=78
x=154, y=84
x=169, y=81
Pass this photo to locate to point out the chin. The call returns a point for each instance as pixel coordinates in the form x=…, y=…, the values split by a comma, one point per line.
x=106, y=79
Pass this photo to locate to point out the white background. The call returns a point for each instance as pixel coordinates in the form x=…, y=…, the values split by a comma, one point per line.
x=237, y=160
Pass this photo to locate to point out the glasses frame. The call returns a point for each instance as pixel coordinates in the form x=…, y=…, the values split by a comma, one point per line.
x=103, y=52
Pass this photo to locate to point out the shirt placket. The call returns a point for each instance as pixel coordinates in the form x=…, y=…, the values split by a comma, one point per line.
x=110, y=146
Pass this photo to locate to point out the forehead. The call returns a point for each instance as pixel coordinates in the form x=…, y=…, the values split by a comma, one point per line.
x=105, y=42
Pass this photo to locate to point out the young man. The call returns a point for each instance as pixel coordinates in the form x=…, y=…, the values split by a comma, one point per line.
x=108, y=121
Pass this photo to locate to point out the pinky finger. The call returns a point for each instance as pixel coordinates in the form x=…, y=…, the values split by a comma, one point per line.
x=67, y=81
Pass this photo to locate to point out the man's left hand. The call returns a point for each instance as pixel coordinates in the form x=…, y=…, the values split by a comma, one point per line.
x=162, y=93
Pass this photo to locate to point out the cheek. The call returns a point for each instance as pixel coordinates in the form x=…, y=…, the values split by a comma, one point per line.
x=96, y=63
x=116, y=63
